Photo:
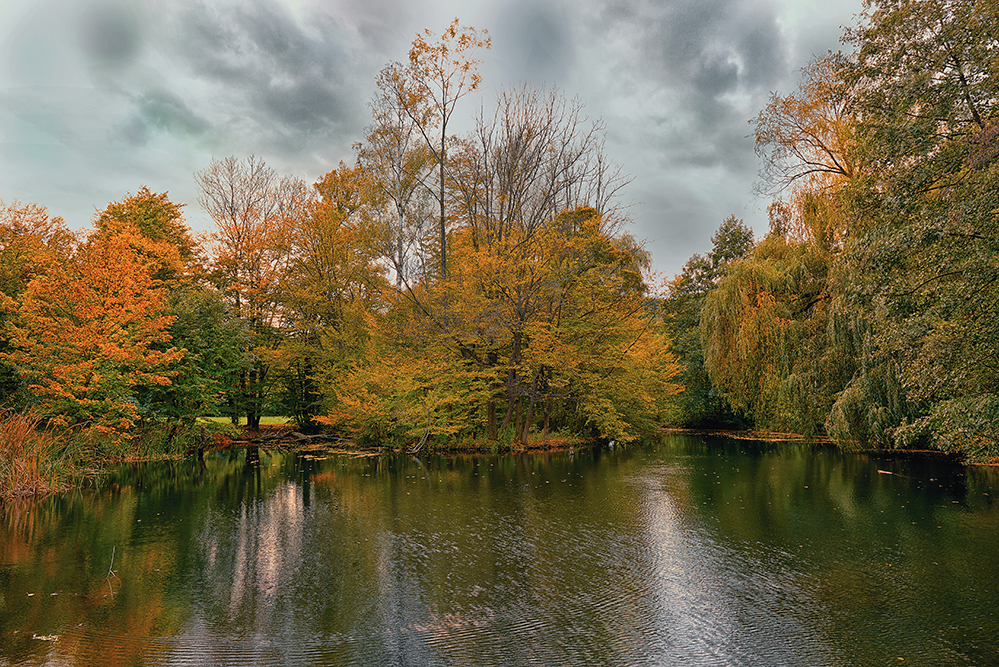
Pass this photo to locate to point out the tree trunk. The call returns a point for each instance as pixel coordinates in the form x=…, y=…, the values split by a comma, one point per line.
x=527, y=422
x=511, y=382
x=491, y=419
x=443, y=156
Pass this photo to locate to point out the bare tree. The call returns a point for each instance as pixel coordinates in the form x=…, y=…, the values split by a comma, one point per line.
x=537, y=156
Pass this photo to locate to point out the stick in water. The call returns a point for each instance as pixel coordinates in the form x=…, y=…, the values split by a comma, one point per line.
x=111, y=571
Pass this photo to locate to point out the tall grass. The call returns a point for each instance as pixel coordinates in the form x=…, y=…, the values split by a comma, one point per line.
x=34, y=461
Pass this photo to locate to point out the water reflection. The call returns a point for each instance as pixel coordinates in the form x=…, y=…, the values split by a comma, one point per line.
x=682, y=553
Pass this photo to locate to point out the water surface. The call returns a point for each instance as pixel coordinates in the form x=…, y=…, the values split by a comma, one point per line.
x=683, y=552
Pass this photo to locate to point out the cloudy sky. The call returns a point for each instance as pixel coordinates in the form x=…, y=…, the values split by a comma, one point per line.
x=100, y=97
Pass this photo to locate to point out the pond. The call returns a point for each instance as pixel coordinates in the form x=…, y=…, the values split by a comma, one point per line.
x=688, y=551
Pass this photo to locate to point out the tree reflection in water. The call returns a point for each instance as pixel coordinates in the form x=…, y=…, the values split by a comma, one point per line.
x=677, y=553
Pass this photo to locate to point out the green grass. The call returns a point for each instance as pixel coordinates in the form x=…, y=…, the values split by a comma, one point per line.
x=264, y=421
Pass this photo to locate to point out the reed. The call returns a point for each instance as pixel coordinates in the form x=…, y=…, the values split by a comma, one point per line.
x=33, y=460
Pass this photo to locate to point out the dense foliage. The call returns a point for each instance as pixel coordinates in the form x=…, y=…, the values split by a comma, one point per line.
x=871, y=311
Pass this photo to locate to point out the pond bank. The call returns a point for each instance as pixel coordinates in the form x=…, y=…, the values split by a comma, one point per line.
x=772, y=437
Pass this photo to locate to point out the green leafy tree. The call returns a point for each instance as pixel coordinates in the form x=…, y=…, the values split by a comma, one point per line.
x=775, y=337
x=700, y=403
x=923, y=263
x=214, y=344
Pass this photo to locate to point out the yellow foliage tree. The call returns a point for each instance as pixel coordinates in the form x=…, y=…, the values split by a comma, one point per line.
x=552, y=326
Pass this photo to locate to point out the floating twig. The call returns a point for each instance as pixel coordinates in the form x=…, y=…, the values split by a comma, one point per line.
x=111, y=571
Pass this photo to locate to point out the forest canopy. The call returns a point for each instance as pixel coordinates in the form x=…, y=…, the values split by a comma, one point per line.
x=869, y=311
x=483, y=287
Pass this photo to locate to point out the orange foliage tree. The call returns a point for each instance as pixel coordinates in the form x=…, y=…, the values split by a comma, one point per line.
x=329, y=287
x=161, y=237
x=83, y=335
x=31, y=242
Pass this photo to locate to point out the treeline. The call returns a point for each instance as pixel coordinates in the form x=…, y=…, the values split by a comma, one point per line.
x=870, y=311
x=444, y=288
x=449, y=288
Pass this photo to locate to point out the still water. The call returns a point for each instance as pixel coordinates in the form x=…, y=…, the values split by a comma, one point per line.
x=682, y=552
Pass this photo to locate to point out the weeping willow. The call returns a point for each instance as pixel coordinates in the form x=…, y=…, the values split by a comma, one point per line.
x=766, y=332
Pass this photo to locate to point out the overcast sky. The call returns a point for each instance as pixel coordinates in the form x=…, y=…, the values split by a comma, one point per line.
x=101, y=97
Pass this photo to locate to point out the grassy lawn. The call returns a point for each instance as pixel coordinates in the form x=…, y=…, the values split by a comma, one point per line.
x=264, y=421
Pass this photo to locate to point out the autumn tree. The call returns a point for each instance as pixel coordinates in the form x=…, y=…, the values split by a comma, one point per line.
x=83, y=335
x=569, y=302
x=252, y=209
x=554, y=328
x=163, y=236
x=509, y=189
x=805, y=139
x=331, y=285
x=441, y=71
x=31, y=243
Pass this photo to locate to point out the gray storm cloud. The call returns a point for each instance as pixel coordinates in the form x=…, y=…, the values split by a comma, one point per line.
x=100, y=97
x=110, y=34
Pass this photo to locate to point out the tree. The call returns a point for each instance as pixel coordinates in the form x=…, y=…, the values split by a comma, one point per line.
x=536, y=157
x=924, y=80
x=441, y=71
x=923, y=269
x=160, y=226
x=83, y=336
x=331, y=285
x=701, y=402
x=397, y=165
x=252, y=209
x=507, y=185
x=554, y=324
x=807, y=138
x=31, y=243
x=754, y=333
x=214, y=344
